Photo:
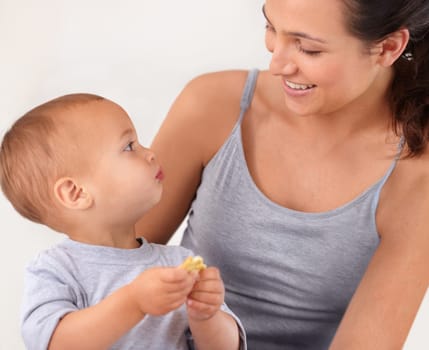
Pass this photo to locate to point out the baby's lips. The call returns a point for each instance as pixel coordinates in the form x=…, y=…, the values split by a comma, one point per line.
x=159, y=175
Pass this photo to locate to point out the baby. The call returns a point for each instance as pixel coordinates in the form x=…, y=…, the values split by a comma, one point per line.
x=75, y=164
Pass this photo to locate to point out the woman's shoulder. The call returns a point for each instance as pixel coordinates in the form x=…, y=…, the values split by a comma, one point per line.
x=229, y=79
x=416, y=176
x=221, y=91
x=405, y=198
x=210, y=98
x=214, y=87
x=215, y=97
x=413, y=172
x=224, y=85
x=205, y=112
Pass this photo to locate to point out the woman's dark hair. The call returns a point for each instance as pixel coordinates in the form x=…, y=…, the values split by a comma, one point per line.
x=372, y=21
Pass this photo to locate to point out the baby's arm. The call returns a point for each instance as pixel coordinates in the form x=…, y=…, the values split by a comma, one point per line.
x=211, y=327
x=155, y=291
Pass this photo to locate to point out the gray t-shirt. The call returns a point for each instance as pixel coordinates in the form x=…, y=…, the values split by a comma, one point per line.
x=72, y=276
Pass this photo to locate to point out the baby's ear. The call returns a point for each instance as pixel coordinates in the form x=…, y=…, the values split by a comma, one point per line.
x=71, y=195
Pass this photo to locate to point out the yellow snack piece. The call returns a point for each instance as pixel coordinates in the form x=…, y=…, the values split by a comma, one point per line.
x=193, y=263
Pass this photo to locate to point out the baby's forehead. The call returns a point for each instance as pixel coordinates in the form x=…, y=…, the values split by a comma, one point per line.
x=94, y=121
x=85, y=114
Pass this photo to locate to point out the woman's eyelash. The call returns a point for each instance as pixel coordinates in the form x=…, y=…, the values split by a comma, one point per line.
x=309, y=52
x=270, y=28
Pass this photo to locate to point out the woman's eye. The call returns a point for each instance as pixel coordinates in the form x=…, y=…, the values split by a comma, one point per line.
x=308, y=52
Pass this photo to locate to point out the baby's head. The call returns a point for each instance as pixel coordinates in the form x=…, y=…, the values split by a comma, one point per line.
x=74, y=156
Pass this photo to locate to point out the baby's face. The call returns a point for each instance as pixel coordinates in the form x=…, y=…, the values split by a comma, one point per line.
x=123, y=177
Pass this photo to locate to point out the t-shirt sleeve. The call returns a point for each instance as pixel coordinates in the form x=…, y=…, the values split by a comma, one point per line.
x=47, y=298
x=242, y=332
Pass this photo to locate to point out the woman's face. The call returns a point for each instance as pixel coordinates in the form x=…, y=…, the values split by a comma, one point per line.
x=322, y=68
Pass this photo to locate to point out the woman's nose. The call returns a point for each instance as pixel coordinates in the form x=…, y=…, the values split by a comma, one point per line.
x=282, y=62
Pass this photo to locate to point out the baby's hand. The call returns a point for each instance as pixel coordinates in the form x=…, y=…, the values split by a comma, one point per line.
x=160, y=290
x=207, y=295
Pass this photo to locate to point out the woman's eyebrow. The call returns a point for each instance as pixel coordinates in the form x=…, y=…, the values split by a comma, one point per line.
x=297, y=34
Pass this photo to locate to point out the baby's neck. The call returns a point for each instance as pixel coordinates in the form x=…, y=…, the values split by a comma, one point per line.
x=124, y=240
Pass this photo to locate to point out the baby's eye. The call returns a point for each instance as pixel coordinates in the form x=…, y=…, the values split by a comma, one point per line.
x=129, y=147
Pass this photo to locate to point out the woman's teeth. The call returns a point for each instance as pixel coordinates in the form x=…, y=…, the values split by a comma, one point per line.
x=299, y=86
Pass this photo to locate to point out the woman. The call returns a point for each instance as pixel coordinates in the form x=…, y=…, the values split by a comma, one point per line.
x=308, y=184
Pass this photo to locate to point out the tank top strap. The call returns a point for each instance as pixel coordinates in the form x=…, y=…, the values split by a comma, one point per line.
x=388, y=173
x=395, y=161
x=401, y=144
x=248, y=91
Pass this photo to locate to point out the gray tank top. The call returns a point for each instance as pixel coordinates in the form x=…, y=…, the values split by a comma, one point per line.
x=289, y=275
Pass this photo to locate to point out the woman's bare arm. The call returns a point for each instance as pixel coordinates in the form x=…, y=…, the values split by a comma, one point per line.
x=196, y=126
x=386, y=302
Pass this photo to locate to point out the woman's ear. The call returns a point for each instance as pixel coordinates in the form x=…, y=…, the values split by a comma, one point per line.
x=393, y=47
x=71, y=195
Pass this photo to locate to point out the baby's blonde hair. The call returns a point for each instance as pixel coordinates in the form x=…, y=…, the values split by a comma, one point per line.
x=29, y=159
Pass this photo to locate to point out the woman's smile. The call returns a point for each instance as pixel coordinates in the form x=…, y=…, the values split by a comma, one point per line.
x=297, y=89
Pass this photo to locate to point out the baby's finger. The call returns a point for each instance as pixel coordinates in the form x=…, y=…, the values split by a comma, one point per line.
x=201, y=310
x=210, y=286
x=173, y=275
x=208, y=298
x=210, y=273
x=172, y=283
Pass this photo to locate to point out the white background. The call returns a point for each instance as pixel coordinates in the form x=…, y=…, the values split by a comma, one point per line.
x=138, y=53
